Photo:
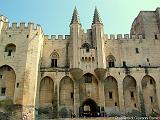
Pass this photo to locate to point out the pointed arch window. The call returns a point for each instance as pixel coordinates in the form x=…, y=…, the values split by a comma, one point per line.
x=54, y=59
x=111, y=61
x=10, y=48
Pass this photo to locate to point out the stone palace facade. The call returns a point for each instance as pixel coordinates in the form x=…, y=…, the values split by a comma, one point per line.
x=84, y=72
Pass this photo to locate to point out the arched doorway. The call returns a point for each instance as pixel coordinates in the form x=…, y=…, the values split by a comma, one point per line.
x=130, y=94
x=7, y=81
x=46, y=92
x=89, y=108
x=149, y=94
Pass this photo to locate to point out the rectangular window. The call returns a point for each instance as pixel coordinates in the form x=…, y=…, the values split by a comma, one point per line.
x=92, y=58
x=1, y=76
x=124, y=63
x=115, y=104
x=132, y=94
x=151, y=81
x=111, y=64
x=9, y=52
x=147, y=59
x=110, y=95
x=151, y=98
x=72, y=95
x=137, y=50
x=155, y=36
x=17, y=85
x=135, y=105
x=53, y=62
x=3, y=91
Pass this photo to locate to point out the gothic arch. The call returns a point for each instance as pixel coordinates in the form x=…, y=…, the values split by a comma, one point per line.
x=111, y=92
x=88, y=87
x=54, y=55
x=66, y=93
x=7, y=81
x=130, y=93
x=46, y=92
x=110, y=59
x=149, y=93
x=54, y=59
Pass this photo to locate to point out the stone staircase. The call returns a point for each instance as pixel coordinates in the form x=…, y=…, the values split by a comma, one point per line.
x=98, y=118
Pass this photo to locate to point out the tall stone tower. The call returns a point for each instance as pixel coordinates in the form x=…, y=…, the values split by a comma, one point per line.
x=97, y=36
x=75, y=28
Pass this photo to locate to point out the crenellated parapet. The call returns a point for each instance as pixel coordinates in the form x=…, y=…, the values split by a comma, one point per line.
x=56, y=37
x=125, y=36
x=22, y=26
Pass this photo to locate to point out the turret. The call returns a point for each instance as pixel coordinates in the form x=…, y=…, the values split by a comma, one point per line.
x=75, y=17
x=2, y=21
x=98, y=36
x=96, y=18
x=75, y=30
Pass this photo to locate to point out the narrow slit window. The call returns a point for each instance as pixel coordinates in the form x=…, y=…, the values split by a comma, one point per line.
x=132, y=94
x=1, y=76
x=151, y=81
x=3, y=91
x=137, y=50
x=135, y=105
x=155, y=36
x=17, y=85
x=151, y=98
x=92, y=58
x=115, y=103
x=124, y=63
x=110, y=95
x=72, y=95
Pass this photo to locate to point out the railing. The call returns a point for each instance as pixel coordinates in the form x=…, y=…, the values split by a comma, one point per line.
x=54, y=69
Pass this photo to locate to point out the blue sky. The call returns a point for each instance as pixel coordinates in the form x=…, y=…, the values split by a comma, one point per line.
x=55, y=15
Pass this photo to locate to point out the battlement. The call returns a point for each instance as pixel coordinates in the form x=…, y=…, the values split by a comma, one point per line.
x=22, y=25
x=125, y=36
x=57, y=37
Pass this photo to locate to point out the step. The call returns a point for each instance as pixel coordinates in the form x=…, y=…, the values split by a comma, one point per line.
x=99, y=118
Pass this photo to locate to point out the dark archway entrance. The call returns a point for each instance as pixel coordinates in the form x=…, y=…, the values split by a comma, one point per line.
x=89, y=108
